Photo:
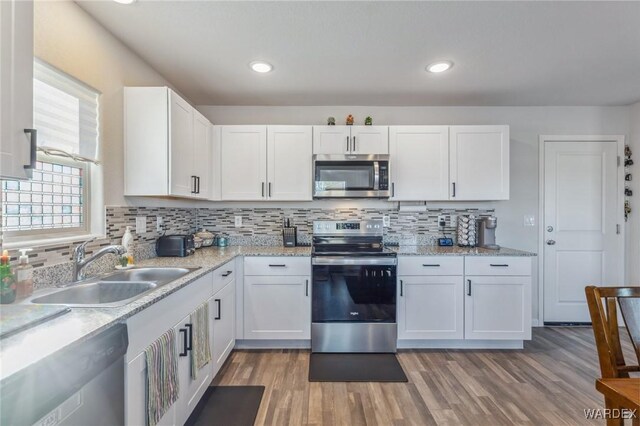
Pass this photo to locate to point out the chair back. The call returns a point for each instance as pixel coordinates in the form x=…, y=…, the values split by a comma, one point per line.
x=604, y=318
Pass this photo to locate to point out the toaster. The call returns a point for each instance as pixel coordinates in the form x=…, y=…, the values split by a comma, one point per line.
x=175, y=246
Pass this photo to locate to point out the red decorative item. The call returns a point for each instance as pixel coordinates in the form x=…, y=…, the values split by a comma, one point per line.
x=349, y=120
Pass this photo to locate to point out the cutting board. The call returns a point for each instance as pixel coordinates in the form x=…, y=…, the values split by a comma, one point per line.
x=16, y=318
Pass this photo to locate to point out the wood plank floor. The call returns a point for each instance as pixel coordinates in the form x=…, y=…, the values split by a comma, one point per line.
x=550, y=382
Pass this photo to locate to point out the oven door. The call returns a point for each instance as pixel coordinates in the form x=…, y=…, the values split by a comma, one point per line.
x=347, y=176
x=354, y=290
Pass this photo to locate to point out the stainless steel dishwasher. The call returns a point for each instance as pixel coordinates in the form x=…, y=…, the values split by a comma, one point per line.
x=82, y=384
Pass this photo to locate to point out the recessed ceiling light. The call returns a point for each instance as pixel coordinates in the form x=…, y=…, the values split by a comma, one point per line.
x=261, y=67
x=125, y=1
x=440, y=66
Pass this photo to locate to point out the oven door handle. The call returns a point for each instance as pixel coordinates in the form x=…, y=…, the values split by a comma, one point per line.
x=354, y=261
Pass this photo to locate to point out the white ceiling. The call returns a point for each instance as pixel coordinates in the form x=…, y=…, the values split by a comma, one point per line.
x=374, y=53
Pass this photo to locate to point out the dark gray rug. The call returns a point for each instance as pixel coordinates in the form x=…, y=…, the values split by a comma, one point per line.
x=227, y=405
x=325, y=367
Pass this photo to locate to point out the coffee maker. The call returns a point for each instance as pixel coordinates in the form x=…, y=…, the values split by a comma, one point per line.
x=487, y=233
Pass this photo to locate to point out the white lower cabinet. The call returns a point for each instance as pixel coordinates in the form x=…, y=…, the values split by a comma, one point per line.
x=222, y=313
x=430, y=307
x=497, y=307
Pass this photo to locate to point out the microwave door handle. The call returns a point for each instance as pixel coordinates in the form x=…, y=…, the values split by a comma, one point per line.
x=376, y=176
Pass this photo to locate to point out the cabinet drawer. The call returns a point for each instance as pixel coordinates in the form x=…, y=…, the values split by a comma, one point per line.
x=223, y=275
x=277, y=265
x=430, y=265
x=497, y=265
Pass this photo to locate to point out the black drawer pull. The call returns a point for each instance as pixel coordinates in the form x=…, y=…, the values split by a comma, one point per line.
x=431, y=265
x=185, y=342
x=219, y=316
x=499, y=265
x=227, y=274
x=277, y=266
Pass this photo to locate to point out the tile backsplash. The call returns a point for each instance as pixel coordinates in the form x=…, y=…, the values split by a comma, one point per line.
x=260, y=226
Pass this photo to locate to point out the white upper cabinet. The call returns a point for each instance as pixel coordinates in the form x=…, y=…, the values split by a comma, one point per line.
x=370, y=139
x=243, y=151
x=17, y=142
x=419, y=162
x=265, y=163
x=350, y=139
x=167, y=145
x=289, y=165
x=479, y=162
x=331, y=140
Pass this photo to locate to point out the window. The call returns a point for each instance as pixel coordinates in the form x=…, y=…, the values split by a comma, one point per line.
x=55, y=201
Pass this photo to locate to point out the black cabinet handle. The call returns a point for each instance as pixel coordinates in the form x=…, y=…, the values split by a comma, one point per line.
x=190, y=328
x=262, y=189
x=219, y=316
x=401, y=289
x=347, y=143
x=269, y=189
x=227, y=274
x=33, y=147
x=454, y=189
x=393, y=189
x=277, y=266
x=198, y=182
x=468, y=287
x=354, y=144
x=499, y=265
x=430, y=265
x=306, y=287
x=185, y=342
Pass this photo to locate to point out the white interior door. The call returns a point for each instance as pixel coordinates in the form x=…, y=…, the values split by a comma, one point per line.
x=582, y=246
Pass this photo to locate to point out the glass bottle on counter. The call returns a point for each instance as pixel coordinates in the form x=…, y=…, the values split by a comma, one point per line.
x=24, y=276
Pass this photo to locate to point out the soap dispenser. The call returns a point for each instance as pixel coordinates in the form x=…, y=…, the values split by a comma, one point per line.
x=24, y=275
x=127, y=239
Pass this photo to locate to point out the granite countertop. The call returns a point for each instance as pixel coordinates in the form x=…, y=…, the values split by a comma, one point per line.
x=457, y=251
x=30, y=346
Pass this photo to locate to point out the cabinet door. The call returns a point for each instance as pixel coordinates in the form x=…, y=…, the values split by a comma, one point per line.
x=370, y=140
x=135, y=392
x=289, y=155
x=430, y=307
x=244, y=162
x=419, y=162
x=202, y=156
x=181, y=181
x=331, y=140
x=223, y=313
x=16, y=88
x=497, y=307
x=479, y=162
x=277, y=307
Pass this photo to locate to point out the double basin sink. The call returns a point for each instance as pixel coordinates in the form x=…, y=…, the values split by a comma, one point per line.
x=113, y=290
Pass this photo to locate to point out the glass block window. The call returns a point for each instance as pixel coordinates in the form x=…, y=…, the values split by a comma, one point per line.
x=54, y=198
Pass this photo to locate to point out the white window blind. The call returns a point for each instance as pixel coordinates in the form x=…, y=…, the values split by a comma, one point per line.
x=65, y=112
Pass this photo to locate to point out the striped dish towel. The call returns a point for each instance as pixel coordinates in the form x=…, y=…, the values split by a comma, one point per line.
x=200, y=345
x=162, y=376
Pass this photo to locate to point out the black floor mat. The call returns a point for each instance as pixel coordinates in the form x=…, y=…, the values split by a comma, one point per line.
x=325, y=367
x=228, y=406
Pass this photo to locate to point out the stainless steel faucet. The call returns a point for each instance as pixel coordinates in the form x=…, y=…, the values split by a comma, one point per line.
x=80, y=261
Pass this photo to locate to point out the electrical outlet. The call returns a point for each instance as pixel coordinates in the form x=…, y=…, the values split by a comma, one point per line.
x=453, y=220
x=529, y=220
x=141, y=224
x=238, y=221
x=442, y=221
x=159, y=224
x=386, y=221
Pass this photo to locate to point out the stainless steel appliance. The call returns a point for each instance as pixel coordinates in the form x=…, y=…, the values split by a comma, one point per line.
x=353, y=288
x=175, y=245
x=351, y=176
x=82, y=384
x=487, y=233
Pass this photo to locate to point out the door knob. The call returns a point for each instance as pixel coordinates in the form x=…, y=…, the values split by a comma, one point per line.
x=550, y=242
x=549, y=228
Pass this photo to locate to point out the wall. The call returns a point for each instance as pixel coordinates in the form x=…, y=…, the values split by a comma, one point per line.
x=633, y=224
x=526, y=124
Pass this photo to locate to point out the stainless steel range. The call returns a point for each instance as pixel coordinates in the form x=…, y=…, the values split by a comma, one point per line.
x=354, y=288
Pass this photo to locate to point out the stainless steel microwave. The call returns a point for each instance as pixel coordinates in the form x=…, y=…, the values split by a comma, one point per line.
x=351, y=176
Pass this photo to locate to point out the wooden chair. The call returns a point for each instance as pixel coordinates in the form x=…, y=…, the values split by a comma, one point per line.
x=604, y=318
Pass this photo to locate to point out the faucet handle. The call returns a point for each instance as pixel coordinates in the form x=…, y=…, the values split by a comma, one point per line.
x=79, y=250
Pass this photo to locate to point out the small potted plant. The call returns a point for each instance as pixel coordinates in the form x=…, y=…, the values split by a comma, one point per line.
x=368, y=121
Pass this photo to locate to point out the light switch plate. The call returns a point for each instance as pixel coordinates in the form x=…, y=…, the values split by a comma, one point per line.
x=442, y=221
x=238, y=221
x=529, y=220
x=141, y=224
x=386, y=221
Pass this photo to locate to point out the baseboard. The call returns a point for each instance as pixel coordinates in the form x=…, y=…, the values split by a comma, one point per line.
x=460, y=344
x=535, y=323
x=273, y=344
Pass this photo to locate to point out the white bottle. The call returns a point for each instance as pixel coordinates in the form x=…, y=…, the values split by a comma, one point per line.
x=24, y=276
x=127, y=240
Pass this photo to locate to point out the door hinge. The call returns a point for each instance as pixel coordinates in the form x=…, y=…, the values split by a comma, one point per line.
x=618, y=229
